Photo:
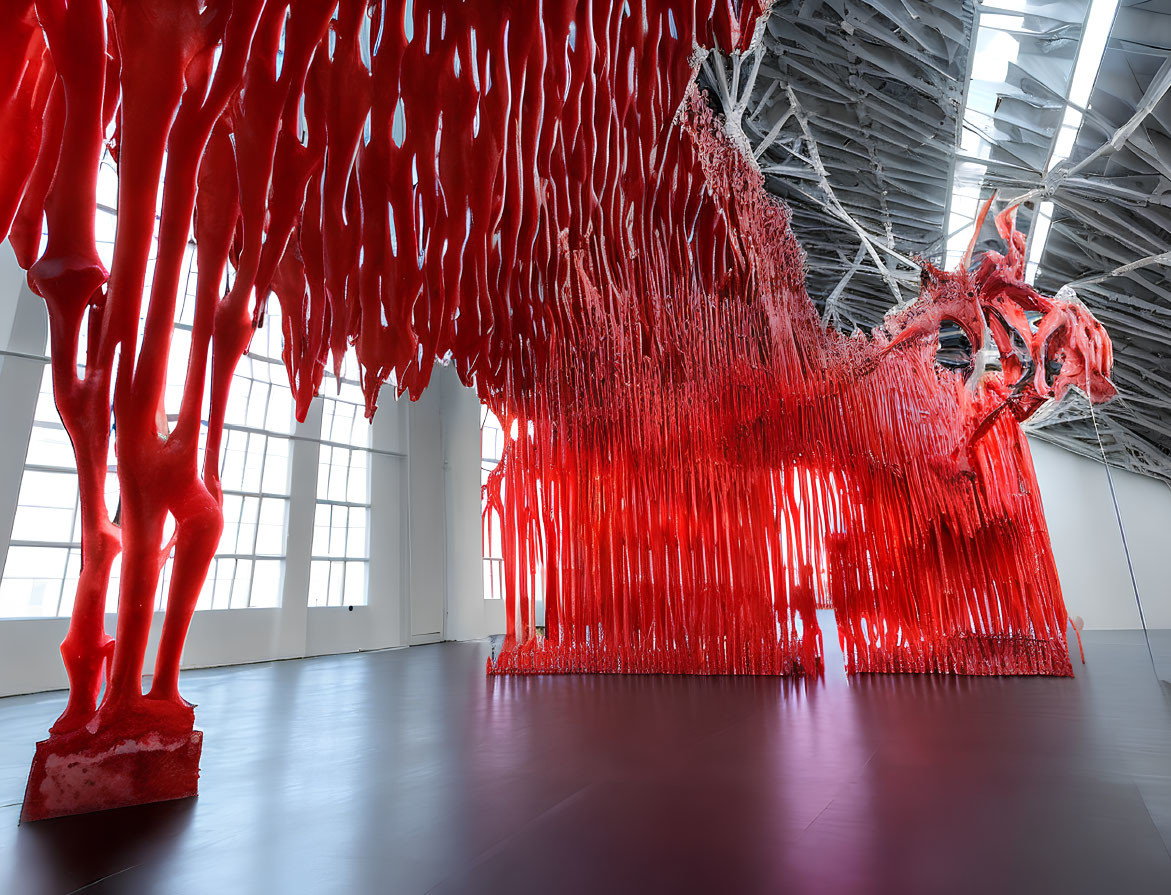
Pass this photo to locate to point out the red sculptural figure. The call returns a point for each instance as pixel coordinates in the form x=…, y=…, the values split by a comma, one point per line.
x=545, y=201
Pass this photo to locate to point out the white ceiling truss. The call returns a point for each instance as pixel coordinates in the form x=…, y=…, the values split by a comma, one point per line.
x=883, y=124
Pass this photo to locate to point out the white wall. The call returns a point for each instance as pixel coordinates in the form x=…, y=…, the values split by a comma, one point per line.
x=469, y=615
x=446, y=547
x=427, y=531
x=1087, y=544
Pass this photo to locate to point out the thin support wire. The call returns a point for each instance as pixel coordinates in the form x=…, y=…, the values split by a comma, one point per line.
x=1122, y=531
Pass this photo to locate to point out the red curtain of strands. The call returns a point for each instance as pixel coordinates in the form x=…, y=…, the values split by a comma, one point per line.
x=539, y=195
x=701, y=462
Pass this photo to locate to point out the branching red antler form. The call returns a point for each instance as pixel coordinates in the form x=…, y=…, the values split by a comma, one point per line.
x=546, y=202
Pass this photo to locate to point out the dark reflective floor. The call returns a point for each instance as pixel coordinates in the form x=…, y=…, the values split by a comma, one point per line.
x=409, y=771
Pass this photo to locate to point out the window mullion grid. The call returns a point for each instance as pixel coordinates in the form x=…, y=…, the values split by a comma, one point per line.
x=68, y=550
x=259, y=502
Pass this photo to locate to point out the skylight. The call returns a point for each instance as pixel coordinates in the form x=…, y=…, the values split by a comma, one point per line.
x=996, y=47
x=1097, y=31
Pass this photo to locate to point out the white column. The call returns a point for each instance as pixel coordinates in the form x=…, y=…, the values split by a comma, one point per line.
x=24, y=334
x=427, y=530
x=461, y=475
x=305, y=451
x=390, y=568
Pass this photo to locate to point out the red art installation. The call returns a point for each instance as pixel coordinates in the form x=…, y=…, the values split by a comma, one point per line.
x=539, y=195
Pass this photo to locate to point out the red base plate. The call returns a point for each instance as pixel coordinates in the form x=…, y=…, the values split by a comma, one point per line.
x=80, y=771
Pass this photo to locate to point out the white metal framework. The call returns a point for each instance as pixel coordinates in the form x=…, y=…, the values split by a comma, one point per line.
x=884, y=124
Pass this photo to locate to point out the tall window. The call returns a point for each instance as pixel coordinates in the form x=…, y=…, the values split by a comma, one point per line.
x=491, y=450
x=44, y=554
x=340, y=564
x=254, y=470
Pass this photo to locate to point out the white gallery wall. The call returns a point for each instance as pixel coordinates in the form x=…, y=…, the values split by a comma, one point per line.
x=1088, y=546
x=469, y=615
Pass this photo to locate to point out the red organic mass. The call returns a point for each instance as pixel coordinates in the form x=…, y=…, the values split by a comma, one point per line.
x=545, y=201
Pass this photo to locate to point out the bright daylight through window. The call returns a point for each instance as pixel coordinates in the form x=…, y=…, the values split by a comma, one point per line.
x=44, y=557
x=339, y=571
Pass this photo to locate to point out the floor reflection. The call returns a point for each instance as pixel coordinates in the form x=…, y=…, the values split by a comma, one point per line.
x=410, y=771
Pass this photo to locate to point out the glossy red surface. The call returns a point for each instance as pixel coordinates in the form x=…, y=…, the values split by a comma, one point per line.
x=547, y=202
